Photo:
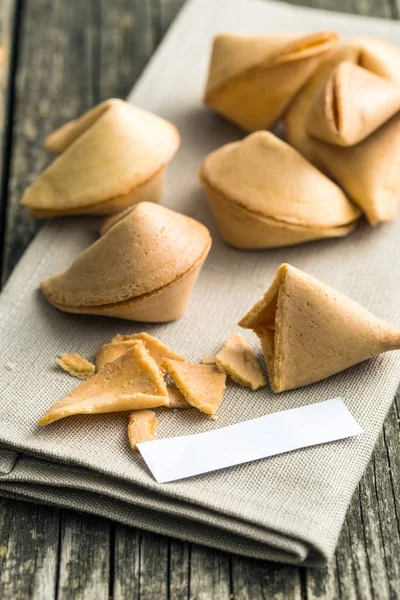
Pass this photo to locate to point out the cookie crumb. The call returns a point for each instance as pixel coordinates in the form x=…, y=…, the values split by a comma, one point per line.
x=10, y=366
x=76, y=366
x=214, y=417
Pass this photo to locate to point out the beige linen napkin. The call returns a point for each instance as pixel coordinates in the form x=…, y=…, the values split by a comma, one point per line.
x=287, y=508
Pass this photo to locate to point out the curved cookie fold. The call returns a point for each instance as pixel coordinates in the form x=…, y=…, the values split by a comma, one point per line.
x=203, y=386
x=309, y=331
x=369, y=172
x=143, y=269
x=353, y=103
x=252, y=80
x=111, y=158
x=131, y=382
x=264, y=194
x=378, y=56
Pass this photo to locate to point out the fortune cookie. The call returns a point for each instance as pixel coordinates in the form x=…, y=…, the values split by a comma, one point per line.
x=143, y=269
x=369, y=171
x=202, y=386
x=377, y=56
x=309, y=331
x=111, y=158
x=351, y=105
x=131, y=382
x=264, y=194
x=252, y=80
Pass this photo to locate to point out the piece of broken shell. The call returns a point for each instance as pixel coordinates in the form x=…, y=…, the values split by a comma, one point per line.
x=369, y=172
x=157, y=349
x=176, y=399
x=131, y=382
x=110, y=352
x=113, y=157
x=76, y=365
x=309, y=331
x=256, y=207
x=209, y=360
x=203, y=386
x=252, y=80
x=143, y=269
x=142, y=427
x=351, y=105
x=237, y=360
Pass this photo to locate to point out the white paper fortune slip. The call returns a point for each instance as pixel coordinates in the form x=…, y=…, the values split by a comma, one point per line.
x=179, y=457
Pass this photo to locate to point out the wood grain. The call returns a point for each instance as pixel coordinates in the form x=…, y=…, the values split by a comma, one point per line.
x=70, y=56
x=84, y=570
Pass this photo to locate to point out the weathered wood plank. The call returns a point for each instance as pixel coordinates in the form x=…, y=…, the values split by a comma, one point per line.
x=28, y=551
x=179, y=570
x=85, y=558
x=209, y=574
x=154, y=565
x=126, y=552
x=127, y=41
x=253, y=579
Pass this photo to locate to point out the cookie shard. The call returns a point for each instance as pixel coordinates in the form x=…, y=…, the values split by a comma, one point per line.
x=131, y=382
x=110, y=352
x=309, y=331
x=111, y=158
x=237, y=360
x=163, y=253
x=351, y=105
x=255, y=207
x=252, y=80
x=203, y=386
x=76, y=365
x=209, y=359
x=157, y=349
x=142, y=427
x=176, y=399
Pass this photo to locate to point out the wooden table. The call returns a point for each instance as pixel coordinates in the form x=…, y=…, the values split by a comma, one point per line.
x=63, y=56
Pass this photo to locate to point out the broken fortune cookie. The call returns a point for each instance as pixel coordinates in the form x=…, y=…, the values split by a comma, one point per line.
x=252, y=80
x=142, y=427
x=143, y=269
x=76, y=365
x=131, y=382
x=203, y=386
x=113, y=157
x=237, y=360
x=264, y=194
x=309, y=331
